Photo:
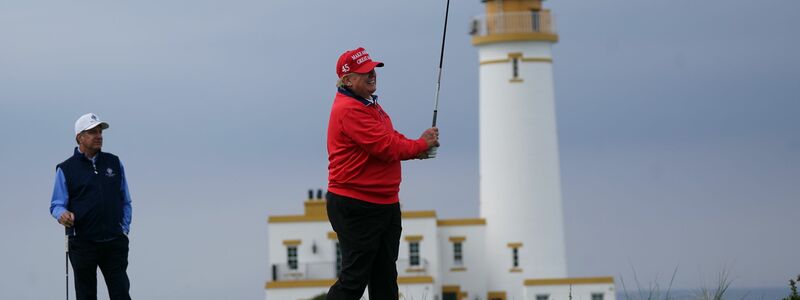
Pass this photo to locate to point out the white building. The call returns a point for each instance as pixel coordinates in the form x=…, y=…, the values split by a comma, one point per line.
x=515, y=250
x=438, y=259
x=435, y=255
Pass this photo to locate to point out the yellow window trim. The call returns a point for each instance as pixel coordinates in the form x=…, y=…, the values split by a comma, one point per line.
x=413, y=238
x=495, y=61
x=524, y=59
x=568, y=281
x=332, y=235
x=451, y=288
x=460, y=269
x=515, y=270
x=537, y=59
x=454, y=289
x=496, y=295
x=460, y=222
x=514, y=245
x=414, y=279
x=458, y=239
x=291, y=242
x=419, y=214
x=299, y=283
x=297, y=219
x=515, y=80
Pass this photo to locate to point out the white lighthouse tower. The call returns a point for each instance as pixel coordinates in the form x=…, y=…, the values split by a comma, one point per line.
x=520, y=186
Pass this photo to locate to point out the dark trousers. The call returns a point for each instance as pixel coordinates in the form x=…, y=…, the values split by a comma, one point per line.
x=369, y=237
x=112, y=258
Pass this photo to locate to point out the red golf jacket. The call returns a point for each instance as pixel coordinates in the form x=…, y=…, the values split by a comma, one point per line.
x=364, y=150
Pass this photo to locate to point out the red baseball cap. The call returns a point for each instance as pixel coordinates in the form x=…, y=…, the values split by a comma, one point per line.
x=355, y=61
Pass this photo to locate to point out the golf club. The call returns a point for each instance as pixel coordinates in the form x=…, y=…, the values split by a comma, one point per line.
x=432, y=151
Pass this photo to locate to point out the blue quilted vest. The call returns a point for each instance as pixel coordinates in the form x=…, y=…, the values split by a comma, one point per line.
x=95, y=195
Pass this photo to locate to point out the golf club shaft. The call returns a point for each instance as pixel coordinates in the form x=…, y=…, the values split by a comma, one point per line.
x=441, y=59
x=66, y=264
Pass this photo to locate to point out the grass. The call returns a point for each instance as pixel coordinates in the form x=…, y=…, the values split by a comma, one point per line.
x=323, y=295
x=654, y=291
x=723, y=283
x=793, y=287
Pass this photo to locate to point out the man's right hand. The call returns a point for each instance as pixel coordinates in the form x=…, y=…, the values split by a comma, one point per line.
x=67, y=219
x=431, y=136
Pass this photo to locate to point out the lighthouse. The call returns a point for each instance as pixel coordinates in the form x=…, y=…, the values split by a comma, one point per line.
x=520, y=186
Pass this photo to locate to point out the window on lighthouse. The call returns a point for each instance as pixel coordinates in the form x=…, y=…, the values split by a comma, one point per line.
x=515, y=257
x=515, y=59
x=413, y=254
x=414, y=261
x=458, y=254
x=291, y=257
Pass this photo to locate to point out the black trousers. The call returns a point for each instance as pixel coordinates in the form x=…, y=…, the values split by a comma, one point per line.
x=112, y=258
x=369, y=237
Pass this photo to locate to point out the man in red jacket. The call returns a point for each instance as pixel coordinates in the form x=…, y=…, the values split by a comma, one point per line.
x=364, y=154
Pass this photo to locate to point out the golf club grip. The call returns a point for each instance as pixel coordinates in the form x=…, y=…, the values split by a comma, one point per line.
x=432, y=152
x=435, y=112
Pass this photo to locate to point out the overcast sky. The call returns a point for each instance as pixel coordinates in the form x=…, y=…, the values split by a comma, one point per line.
x=677, y=123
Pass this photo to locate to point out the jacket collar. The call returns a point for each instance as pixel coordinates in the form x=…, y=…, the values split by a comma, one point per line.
x=348, y=93
x=80, y=155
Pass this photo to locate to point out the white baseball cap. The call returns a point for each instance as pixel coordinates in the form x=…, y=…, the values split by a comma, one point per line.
x=88, y=121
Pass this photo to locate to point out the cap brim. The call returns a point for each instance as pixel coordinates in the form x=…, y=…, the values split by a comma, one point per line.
x=366, y=68
x=103, y=125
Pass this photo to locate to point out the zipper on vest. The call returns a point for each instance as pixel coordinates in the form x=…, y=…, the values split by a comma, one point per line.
x=104, y=212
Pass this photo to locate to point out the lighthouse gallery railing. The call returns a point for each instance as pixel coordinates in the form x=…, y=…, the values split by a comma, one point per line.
x=513, y=22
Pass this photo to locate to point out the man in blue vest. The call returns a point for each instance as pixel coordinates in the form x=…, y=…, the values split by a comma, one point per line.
x=91, y=200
